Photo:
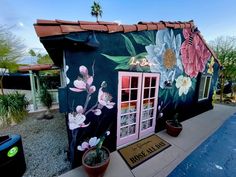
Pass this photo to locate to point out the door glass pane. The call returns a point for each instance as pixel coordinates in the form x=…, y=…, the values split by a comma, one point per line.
x=133, y=106
x=153, y=92
x=132, y=129
x=201, y=88
x=146, y=93
x=125, y=95
x=153, y=82
x=144, y=125
x=149, y=123
x=151, y=111
x=125, y=82
x=124, y=120
x=123, y=132
x=134, y=94
x=151, y=103
x=134, y=82
x=145, y=104
x=207, y=87
x=145, y=114
x=147, y=82
x=124, y=108
x=132, y=118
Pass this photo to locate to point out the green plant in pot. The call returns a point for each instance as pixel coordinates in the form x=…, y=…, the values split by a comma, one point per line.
x=97, y=157
x=174, y=127
x=46, y=99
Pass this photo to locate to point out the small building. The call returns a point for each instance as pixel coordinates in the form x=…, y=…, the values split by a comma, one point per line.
x=128, y=78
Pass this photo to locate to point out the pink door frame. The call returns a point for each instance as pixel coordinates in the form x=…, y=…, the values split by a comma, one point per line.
x=140, y=94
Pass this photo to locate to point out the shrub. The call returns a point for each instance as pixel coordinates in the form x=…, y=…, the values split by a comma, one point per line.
x=13, y=107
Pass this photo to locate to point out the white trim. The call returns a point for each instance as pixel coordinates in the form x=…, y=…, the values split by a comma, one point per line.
x=204, y=88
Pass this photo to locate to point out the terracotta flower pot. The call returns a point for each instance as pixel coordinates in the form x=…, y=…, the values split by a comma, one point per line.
x=97, y=170
x=173, y=130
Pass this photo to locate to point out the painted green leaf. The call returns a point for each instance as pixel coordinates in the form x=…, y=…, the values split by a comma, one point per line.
x=129, y=46
x=151, y=36
x=141, y=55
x=140, y=39
x=123, y=66
x=118, y=59
x=146, y=69
x=161, y=92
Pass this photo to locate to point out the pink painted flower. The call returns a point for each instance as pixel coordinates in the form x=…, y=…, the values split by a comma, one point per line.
x=194, y=53
x=91, y=143
x=76, y=120
x=104, y=99
x=97, y=112
x=85, y=83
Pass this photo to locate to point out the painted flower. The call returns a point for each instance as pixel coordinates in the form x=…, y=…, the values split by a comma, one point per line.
x=67, y=79
x=183, y=84
x=85, y=83
x=210, y=66
x=76, y=120
x=91, y=143
x=165, y=56
x=104, y=99
x=194, y=53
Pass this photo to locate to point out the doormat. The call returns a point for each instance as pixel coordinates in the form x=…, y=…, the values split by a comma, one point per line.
x=140, y=151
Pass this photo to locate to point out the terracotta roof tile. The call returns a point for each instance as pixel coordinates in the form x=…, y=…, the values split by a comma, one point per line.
x=152, y=27
x=46, y=28
x=66, y=22
x=94, y=27
x=41, y=22
x=129, y=28
x=141, y=27
x=43, y=31
x=87, y=23
x=37, y=67
x=69, y=28
x=114, y=28
x=59, y=27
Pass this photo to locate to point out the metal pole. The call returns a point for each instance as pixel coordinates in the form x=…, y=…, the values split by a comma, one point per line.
x=33, y=90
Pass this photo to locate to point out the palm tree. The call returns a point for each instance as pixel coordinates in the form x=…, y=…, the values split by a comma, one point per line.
x=96, y=10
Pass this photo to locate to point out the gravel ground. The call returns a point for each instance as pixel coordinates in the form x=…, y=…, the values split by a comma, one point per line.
x=45, y=144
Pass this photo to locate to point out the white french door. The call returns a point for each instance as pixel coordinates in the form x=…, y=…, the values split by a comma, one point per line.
x=137, y=104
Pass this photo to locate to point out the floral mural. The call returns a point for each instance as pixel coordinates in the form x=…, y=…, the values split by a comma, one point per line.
x=183, y=84
x=165, y=56
x=194, y=53
x=77, y=118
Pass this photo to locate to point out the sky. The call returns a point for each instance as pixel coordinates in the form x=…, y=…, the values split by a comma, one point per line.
x=213, y=18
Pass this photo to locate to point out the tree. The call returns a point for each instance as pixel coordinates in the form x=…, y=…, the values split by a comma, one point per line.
x=96, y=10
x=225, y=49
x=11, y=49
x=41, y=58
x=45, y=59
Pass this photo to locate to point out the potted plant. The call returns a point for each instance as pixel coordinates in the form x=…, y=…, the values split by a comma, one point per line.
x=46, y=99
x=174, y=127
x=97, y=157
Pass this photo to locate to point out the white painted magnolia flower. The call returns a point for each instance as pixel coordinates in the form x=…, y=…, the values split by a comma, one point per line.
x=85, y=83
x=67, y=79
x=91, y=143
x=183, y=84
x=165, y=56
x=76, y=120
x=104, y=99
